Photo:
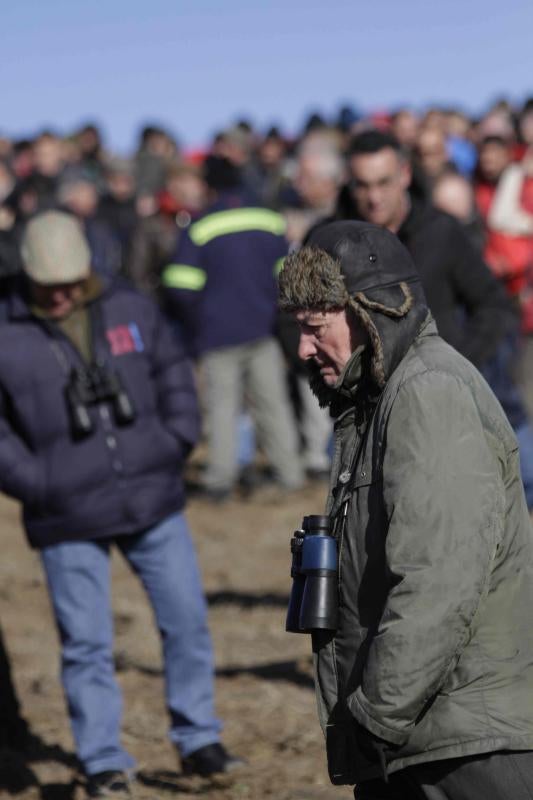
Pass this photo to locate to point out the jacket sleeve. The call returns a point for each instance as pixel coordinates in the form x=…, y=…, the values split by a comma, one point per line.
x=444, y=498
x=20, y=473
x=176, y=391
x=183, y=282
x=506, y=213
x=490, y=315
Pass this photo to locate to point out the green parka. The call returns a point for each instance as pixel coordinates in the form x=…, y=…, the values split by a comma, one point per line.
x=434, y=649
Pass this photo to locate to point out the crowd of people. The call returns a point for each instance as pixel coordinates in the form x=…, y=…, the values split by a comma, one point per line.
x=117, y=273
x=137, y=214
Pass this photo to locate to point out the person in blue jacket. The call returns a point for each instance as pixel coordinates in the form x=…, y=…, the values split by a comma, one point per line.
x=98, y=412
x=222, y=287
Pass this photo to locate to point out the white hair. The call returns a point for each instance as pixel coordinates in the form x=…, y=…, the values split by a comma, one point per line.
x=324, y=160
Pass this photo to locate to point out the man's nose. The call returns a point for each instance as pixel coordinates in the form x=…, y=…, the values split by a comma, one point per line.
x=306, y=347
x=374, y=195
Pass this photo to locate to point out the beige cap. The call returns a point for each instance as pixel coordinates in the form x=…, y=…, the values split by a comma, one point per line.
x=54, y=249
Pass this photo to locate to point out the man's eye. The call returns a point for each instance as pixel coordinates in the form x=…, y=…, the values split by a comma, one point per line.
x=313, y=330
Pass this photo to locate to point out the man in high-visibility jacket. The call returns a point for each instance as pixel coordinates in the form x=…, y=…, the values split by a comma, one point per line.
x=222, y=287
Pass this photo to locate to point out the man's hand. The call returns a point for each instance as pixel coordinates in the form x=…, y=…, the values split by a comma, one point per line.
x=374, y=749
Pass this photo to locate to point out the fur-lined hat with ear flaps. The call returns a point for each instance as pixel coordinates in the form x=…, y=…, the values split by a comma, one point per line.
x=366, y=268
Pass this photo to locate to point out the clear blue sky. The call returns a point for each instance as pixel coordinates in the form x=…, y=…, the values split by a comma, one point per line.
x=195, y=66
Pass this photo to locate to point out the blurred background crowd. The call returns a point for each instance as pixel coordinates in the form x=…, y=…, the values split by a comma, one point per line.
x=135, y=210
x=133, y=207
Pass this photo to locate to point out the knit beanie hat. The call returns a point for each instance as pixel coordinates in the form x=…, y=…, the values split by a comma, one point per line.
x=54, y=249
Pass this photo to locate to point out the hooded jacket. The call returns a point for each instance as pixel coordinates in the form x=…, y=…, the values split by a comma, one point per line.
x=433, y=654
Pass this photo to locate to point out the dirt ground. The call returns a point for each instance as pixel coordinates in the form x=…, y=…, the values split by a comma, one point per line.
x=263, y=682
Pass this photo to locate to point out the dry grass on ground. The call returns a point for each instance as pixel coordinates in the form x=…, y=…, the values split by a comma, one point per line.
x=264, y=685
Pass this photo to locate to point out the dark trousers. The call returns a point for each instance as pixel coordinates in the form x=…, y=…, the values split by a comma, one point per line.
x=495, y=776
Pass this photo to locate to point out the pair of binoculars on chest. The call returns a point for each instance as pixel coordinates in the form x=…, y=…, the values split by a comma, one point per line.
x=89, y=386
x=314, y=599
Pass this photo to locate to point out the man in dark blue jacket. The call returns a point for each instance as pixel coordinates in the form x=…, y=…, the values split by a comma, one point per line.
x=223, y=286
x=97, y=413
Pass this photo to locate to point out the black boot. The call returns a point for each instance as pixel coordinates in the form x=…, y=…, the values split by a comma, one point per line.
x=210, y=760
x=108, y=784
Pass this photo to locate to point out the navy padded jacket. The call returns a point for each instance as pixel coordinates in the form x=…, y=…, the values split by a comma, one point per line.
x=121, y=479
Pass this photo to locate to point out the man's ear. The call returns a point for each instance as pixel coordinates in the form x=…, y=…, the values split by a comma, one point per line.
x=358, y=332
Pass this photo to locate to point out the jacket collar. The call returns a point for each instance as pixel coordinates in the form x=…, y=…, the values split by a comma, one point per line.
x=355, y=391
x=415, y=219
x=19, y=303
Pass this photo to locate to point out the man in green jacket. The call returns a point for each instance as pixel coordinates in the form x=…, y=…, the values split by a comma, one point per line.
x=425, y=688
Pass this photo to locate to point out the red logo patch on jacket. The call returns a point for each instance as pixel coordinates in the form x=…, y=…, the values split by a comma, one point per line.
x=125, y=339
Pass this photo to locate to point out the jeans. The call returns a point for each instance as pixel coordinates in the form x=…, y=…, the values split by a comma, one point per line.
x=78, y=575
x=246, y=444
x=498, y=374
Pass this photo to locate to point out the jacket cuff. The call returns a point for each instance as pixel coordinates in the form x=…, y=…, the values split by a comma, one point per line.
x=357, y=705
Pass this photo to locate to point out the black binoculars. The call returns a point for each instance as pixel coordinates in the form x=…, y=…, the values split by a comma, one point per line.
x=91, y=385
x=314, y=600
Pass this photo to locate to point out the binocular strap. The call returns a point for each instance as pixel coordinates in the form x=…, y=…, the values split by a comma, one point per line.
x=60, y=355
